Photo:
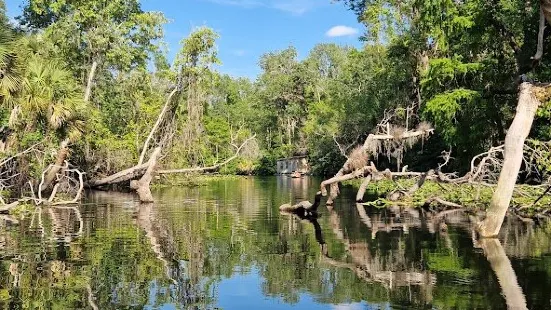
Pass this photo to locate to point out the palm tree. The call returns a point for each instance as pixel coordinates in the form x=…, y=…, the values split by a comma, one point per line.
x=50, y=96
x=10, y=67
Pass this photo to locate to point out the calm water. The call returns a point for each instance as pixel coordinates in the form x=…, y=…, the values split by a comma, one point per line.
x=225, y=246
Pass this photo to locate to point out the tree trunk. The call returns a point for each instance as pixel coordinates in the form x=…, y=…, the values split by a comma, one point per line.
x=160, y=119
x=501, y=265
x=142, y=186
x=514, y=144
x=541, y=32
x=363, y=188
x=122, y=176
x=60, y=159
x=90, y=82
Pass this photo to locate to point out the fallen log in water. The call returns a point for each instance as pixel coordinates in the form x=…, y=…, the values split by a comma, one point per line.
x=140, y=176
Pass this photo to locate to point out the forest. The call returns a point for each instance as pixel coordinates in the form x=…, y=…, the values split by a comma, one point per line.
x=88, y=98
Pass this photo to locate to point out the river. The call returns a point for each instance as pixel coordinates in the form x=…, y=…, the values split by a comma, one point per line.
x=226, y=246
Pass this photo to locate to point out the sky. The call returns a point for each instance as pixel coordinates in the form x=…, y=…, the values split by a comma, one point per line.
x=250, y=28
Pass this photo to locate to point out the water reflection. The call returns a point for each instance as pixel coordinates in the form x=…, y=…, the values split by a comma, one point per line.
x=226, y=245
x=501, y=265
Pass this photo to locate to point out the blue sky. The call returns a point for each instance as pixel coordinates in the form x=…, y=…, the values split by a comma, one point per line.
x=250, y=28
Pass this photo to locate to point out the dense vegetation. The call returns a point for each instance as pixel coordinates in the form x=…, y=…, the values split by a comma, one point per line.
x=94, y=74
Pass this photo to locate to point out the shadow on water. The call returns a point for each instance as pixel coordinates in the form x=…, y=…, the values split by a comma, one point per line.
x=226, y=245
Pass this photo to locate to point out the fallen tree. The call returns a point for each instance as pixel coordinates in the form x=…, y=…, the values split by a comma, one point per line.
x=389, y=139
x=145, y=173
x=484, y=171
x=67, y=180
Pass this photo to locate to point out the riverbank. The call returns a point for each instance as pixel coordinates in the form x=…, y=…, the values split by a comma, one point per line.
x=528, y=201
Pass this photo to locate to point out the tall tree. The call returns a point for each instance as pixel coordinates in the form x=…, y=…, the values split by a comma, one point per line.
x=96, y=35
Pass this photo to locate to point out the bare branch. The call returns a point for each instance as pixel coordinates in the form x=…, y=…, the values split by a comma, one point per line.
x=160, y=119
x=2, y=163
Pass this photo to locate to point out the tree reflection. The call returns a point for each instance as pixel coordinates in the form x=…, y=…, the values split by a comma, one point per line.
x=501, y=265
x=116, y=254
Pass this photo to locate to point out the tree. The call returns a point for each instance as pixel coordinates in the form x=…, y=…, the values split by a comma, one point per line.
x=100, y=34
x=195, y=60
x=283, y=90
x=470, y=59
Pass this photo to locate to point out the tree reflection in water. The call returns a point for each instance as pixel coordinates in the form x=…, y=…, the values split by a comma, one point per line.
x=113, y=253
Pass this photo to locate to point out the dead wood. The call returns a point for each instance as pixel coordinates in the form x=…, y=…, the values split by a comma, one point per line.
x=54, y=169
x=142, y=186
x=541, y=32
x=443, y=202
x=121, y=176
x=355, y=164
x=8, y=207
x=303, y=205
x=160, y=119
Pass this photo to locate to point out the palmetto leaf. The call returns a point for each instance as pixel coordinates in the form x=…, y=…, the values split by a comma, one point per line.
x=10, y=69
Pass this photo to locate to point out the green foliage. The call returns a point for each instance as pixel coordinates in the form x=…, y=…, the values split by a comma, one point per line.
x=198, y=51
x=117, y=34
x=443, y=110
x=453, y=64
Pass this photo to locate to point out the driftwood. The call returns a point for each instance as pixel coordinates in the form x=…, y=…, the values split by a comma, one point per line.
x=305, y=207
x=51, y=175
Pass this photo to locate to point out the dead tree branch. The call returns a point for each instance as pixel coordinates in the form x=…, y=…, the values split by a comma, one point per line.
x=60, y=159
x=30, y=149
x=160, y=119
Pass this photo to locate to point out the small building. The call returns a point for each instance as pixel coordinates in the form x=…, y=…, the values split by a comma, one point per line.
x=293, y=164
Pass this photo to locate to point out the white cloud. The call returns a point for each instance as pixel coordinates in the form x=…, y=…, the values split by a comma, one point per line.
x=341, y=31
x=296, y=7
